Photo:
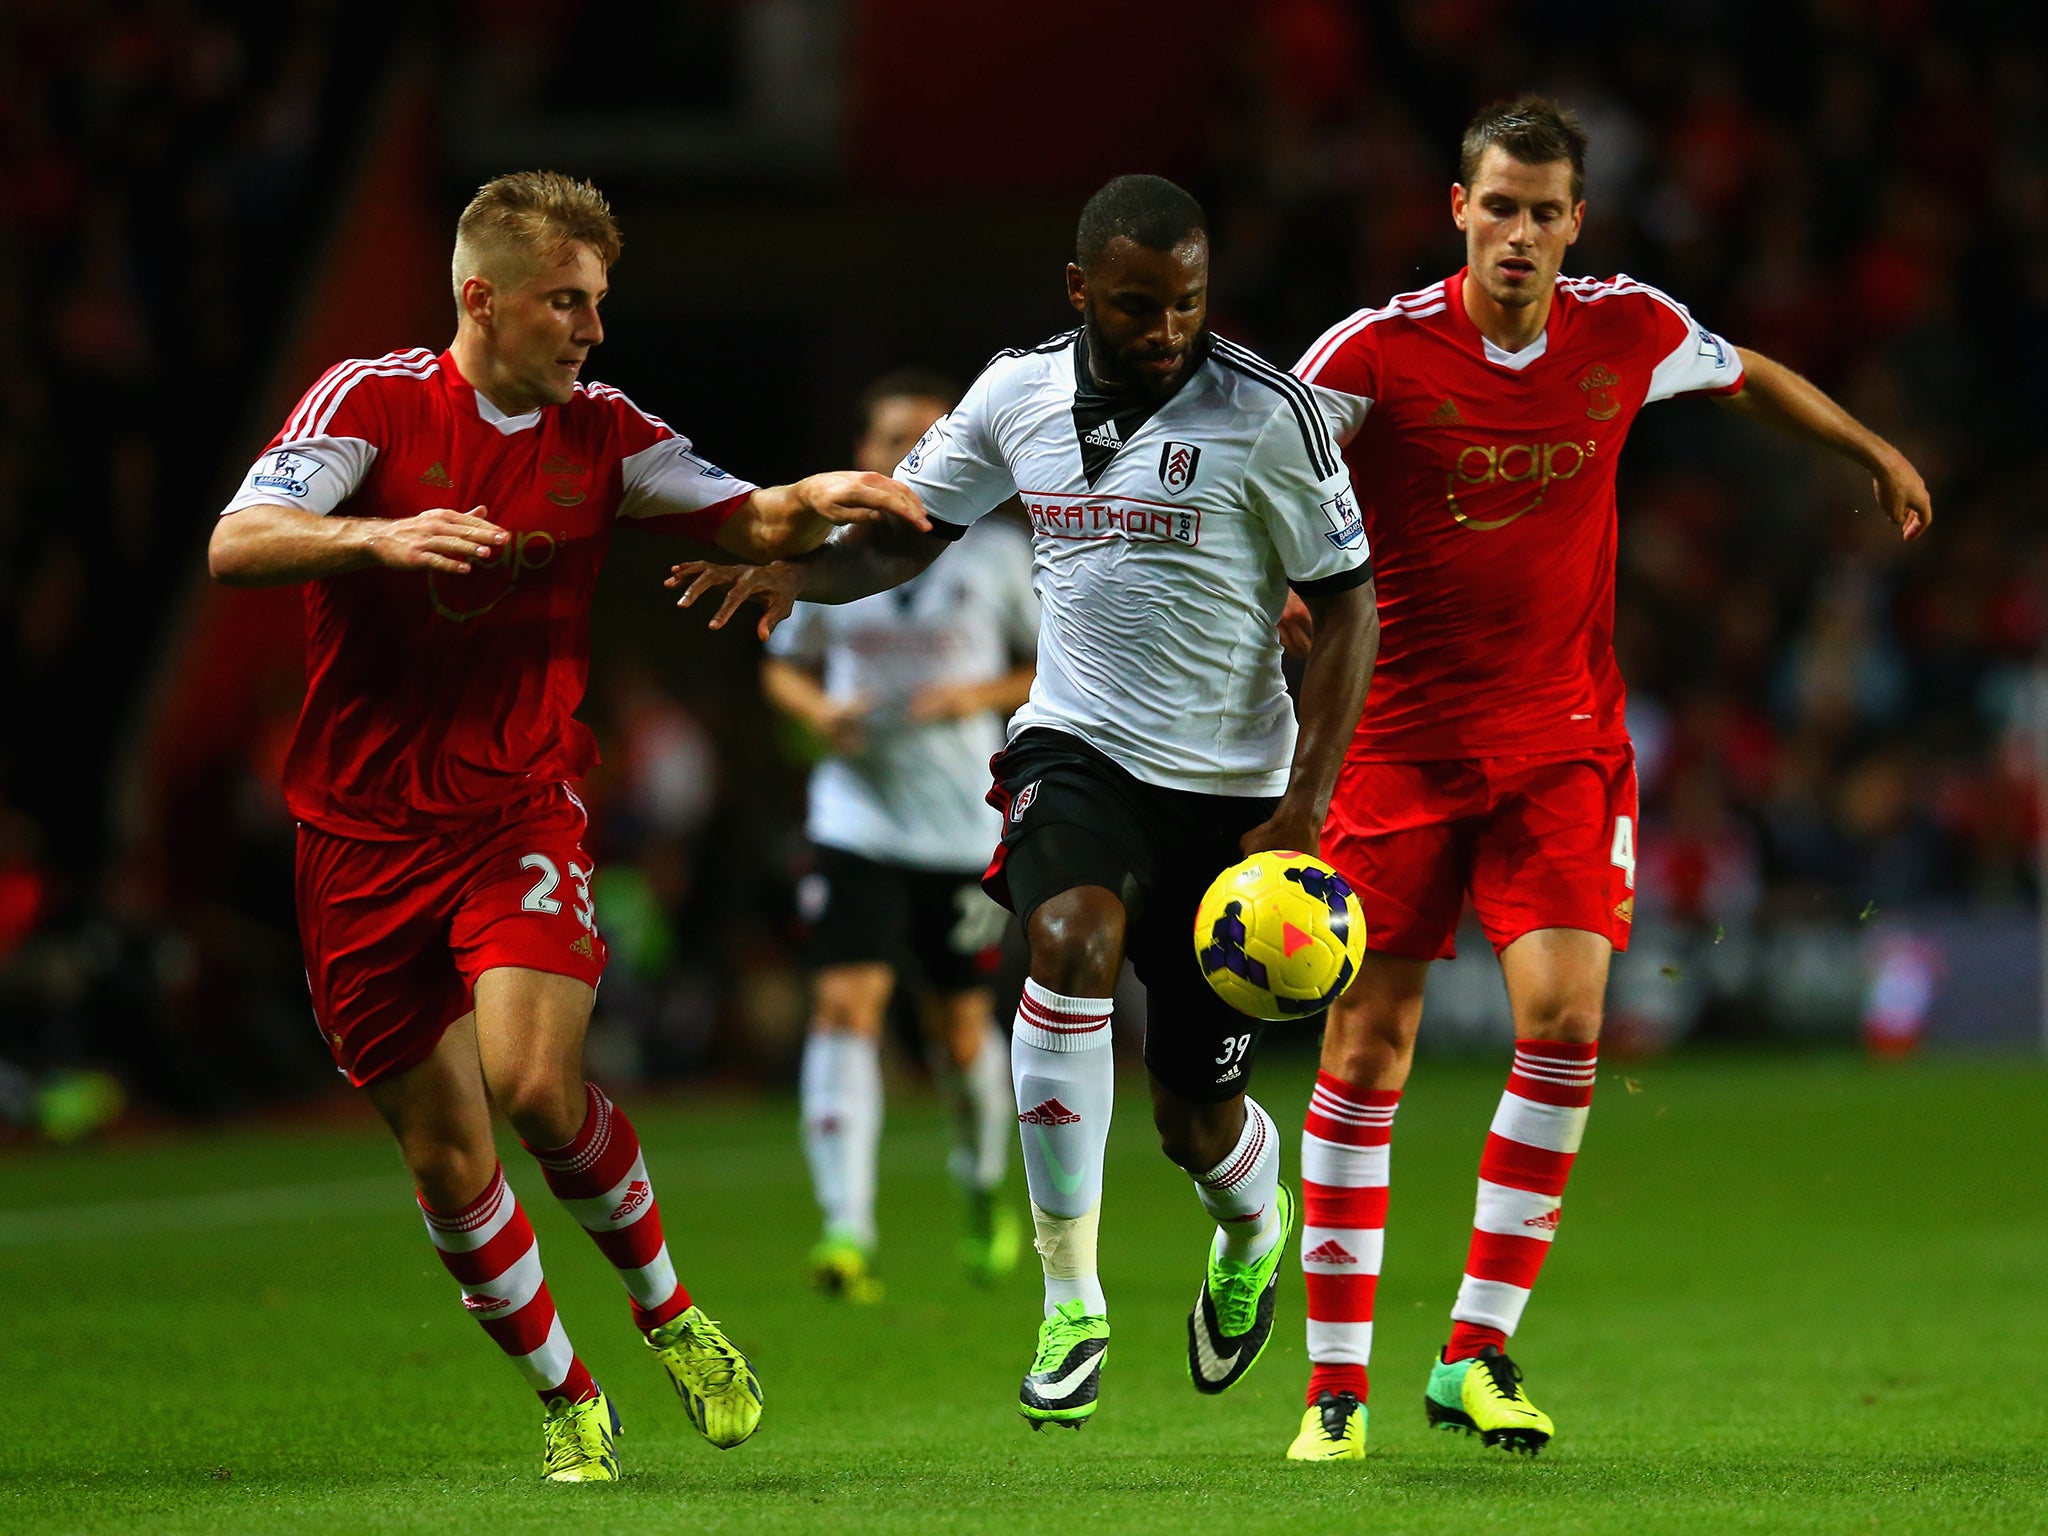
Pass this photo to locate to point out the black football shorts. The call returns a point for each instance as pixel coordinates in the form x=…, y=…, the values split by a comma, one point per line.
x=1072, y=817
x=860, y=910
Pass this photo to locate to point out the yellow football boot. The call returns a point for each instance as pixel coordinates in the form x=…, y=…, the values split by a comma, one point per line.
x=1333, y=1429
x=576, y=1440
x=1483, y=1396
x=719, y=1390
x=840, y=1268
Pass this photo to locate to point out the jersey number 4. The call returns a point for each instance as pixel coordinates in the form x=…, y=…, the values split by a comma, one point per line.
x=1623, y=857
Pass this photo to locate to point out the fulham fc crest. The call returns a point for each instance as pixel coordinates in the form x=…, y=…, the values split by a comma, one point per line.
x=1177, y=463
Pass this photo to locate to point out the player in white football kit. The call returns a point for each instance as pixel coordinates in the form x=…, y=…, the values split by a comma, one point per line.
x=909, y=690
x=1177, y=486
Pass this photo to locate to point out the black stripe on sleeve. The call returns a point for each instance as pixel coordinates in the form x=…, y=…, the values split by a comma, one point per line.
x=952, y=533
x=1308, y=416
x=1343, y=581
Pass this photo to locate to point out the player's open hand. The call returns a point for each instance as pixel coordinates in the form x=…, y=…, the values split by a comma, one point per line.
x=774, y=586
x=1297, y=627
x=440, y=540
x=856, y=496
x=1903, y=495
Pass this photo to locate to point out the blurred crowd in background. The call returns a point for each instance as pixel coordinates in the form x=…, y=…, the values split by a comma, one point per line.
x=1834, y=732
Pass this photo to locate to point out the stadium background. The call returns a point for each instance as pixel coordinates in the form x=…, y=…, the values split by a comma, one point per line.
x=211, y=201
x=1800, y=1289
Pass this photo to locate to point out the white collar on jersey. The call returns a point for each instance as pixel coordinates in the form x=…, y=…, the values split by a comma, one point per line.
x=497, y=418
x=1516, y=361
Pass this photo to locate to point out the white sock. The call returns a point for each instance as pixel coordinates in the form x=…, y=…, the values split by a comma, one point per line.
x=1242, y=1192
x=1065, y=1077
x=985, y=1106
x=841, y=1093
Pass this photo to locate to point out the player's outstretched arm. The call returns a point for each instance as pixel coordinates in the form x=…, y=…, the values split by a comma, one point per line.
x=957, y=701
x=1773, y=393
x=856, y=561
x=1340, y=663
x=779, y=522
x=796, y=692
x=270, y=545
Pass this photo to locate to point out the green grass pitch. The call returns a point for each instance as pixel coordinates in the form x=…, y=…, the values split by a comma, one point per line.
x=1788, y=1296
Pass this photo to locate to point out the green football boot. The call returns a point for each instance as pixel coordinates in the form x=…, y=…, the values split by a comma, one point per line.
x=1233, y=1317
x=1483, y=1396
x=994, y=1238
x=1066, y=1373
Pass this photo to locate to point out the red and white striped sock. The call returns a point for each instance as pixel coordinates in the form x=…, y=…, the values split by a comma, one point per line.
x=489, y=1247
x=1529, y=1152
x=1344, y=1156
x=602, y=1179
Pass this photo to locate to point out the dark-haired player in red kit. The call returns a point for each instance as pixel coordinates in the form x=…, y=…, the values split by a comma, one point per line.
x=1492, y=760
x=443, y=888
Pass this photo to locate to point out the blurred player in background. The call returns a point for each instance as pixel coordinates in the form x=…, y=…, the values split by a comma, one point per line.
x=1487, y=413
x=909, y=690
x=1177, y=485
x=443, y=888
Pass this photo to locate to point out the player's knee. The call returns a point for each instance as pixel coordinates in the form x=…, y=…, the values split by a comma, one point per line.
x=1369, y=1046
x=845, y=1015
x=1077, y=942
x=1560, y=1018
x=544, y=1106
x=450, y=1175
x=1369, y=1058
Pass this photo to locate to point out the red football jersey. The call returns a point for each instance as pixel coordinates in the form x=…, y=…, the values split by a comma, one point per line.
x=1487, y=483
x=433, y=698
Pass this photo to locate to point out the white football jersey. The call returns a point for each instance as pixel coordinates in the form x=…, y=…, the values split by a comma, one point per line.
x=1165, y=536
x=917, y=794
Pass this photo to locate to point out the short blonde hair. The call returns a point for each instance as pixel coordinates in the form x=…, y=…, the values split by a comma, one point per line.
x=528, y=217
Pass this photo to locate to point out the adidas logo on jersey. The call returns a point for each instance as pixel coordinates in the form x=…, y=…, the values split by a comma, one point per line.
x=436, y=474
x=1104, y=436
x=584, y=947
x=1329, y=1251
x=1547, y=1222
x=1051, y=1112
x=1446, y=413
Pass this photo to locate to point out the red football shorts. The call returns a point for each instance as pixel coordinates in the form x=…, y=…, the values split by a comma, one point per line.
x=1537, y=842
x=396, y=933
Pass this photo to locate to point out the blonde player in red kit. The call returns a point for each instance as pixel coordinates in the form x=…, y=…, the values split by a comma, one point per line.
x=1489, y=410
x=443, y=888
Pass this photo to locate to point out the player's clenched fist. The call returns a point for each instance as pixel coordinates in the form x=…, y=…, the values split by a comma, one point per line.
x=774, y=586
x=1903, y=494
x=438, y=540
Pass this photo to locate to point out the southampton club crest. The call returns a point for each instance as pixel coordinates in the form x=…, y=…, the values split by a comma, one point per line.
x=1177, y=463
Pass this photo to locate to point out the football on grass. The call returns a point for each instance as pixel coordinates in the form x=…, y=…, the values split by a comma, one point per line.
x=1280, y=935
